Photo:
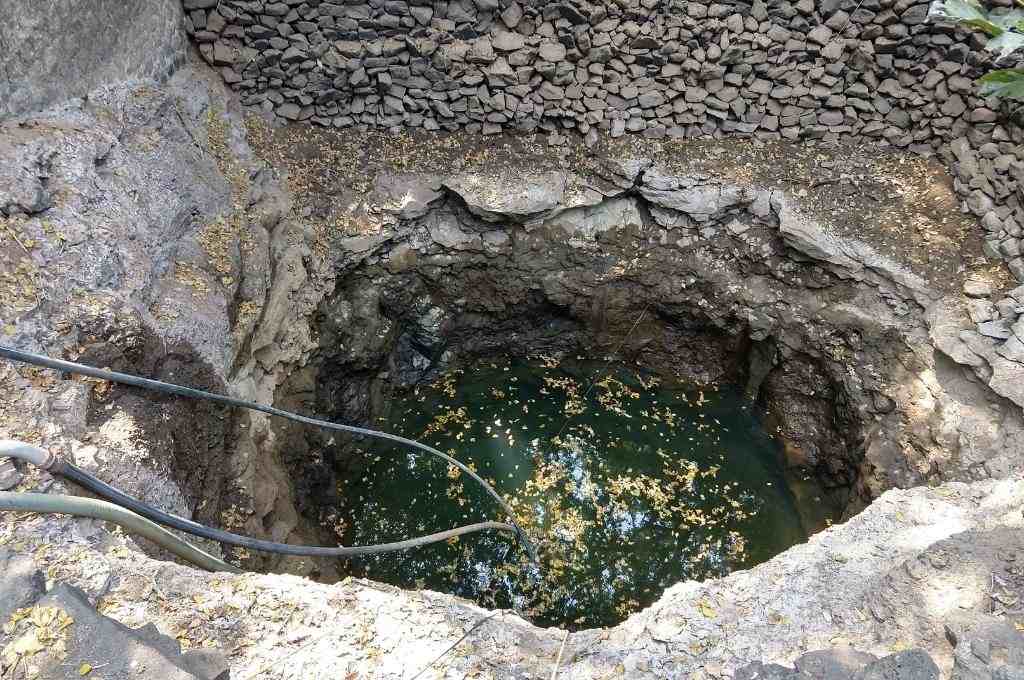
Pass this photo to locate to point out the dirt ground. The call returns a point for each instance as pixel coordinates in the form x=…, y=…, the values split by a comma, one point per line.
x=902, y=204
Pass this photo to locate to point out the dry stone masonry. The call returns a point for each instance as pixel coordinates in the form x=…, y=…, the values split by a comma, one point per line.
x=877, y=69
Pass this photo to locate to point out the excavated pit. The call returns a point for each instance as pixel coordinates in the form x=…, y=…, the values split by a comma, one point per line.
x=830, y=278
x=715, y=266
x=695, y=281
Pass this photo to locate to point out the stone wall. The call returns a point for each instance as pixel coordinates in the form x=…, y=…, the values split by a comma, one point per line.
x=794, y=70
x=54, y=50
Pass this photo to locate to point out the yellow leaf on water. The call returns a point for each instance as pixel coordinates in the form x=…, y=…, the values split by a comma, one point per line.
x=84, y=669
x=706, y=609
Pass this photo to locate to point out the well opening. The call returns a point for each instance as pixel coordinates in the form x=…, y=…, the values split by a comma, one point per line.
x=434, y=325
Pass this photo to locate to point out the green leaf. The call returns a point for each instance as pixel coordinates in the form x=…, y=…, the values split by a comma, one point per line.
x=968, y=13
x=1005, y=44
x=1006, y=83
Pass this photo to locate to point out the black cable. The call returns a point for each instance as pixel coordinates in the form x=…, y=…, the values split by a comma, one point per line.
x=100, y=488
x=170, y=388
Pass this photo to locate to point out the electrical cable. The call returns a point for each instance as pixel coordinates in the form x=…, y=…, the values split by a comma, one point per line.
x=23, y=451
x=170, y=388
x=96, y=509
x=15, y=449
x=100, y=488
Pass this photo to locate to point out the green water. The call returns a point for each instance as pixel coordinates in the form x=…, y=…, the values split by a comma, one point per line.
x=627, y=486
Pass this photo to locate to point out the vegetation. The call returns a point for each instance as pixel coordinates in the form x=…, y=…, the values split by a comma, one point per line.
x=1005, y=31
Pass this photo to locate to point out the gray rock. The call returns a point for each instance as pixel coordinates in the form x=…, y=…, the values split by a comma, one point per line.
x=1008, y=308
x=289, y=110
x=954, y=106
x=551, y=92
x=9, y=475
x=998, y=328
x=986, y=647
x=820, y=35
x=833, y=664
x=589, y=222
x=447, y=232
x=506, y=41
x=1016, y=294
x=120, y=651
x=480, y=52
x=650, y=100
x=512, y=15
x=688, y=195
x=761, y=671
x=21, y=584
x=409, y=195
x=913, y=664
x=977, y=288
x=421, y=14
x=111, y=41
x=1012, y=349
x=831, y=117
x=520, y=198
x=552, y=51
x=983, y=115
x=981, y=310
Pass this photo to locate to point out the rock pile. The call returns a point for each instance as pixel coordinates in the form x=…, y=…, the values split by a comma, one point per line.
x=986, y=334
x=794, y=70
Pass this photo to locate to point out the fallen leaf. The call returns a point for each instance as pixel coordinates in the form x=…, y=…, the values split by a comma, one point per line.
x=84, y=669
x=706, y=609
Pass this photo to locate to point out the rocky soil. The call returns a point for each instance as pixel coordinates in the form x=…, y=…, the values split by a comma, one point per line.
x=151, y=229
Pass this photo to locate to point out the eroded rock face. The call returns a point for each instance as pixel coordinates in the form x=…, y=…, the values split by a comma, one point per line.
x=140, y=235
x=72, y=47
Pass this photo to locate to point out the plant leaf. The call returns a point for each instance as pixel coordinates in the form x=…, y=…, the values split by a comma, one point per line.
x=968, y=13
x=1005, y=44
x=1006, y=83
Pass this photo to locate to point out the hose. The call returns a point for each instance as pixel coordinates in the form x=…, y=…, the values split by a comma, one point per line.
x=170, y=388
x=47, y=461
x=90, y=507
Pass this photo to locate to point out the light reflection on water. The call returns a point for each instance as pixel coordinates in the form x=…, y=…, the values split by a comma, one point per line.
x=627, y=489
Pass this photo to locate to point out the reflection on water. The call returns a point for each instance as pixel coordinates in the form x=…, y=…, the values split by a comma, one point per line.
x=626, y=485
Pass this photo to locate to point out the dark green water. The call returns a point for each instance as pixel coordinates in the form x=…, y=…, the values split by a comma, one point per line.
x=627, y=488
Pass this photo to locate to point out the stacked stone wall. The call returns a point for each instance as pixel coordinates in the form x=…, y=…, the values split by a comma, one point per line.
x=874, y=69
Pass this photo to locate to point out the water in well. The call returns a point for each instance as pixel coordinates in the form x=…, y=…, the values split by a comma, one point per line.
x=627, y=485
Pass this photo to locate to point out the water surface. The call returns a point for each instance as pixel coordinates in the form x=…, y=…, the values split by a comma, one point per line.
x=627, y=486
